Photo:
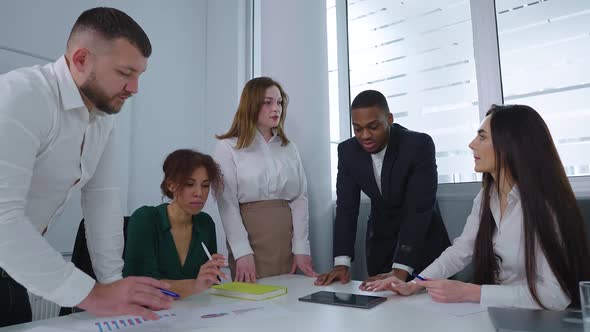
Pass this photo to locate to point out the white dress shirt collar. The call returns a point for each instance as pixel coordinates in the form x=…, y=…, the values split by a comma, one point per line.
x=377, y=159
x=379, y=155
x=261, y=139
x=68, y=91
x=513, y=198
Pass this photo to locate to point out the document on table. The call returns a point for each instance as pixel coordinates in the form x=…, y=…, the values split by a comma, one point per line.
x=232, y=312
x=48, y=329
x=189, y=318
x=167, y=320
x=426, y=303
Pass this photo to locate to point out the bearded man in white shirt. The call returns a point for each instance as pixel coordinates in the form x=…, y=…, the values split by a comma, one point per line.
x=56, y=137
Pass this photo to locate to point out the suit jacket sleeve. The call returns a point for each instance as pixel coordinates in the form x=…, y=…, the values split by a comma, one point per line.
x=419, y=205
x=347, y=207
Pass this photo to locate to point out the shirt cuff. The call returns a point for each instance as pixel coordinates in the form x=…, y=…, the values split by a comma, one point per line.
x=496, y=296
x=342, y=260
x=73, y=290
x=112, y=279
x=402, y=267
x=301, y=247
x=240, y=249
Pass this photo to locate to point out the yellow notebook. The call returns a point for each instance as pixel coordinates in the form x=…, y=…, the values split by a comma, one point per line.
x=247, y=291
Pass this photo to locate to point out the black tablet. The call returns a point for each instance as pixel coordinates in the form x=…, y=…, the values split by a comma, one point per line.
x=344, y=299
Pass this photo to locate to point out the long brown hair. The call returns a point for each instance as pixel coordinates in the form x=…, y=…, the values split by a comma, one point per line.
x=244, y=125
x=523, y=147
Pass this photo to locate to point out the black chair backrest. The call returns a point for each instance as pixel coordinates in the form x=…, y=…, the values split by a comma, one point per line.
x=584, y=205
x=81, y=257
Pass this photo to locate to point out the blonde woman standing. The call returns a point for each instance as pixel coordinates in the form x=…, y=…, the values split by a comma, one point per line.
x=263, y=207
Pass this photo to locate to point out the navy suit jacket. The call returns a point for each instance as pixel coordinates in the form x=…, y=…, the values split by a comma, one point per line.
x=404, y=225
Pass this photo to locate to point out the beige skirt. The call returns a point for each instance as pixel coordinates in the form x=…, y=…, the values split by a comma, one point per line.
x=270, y=231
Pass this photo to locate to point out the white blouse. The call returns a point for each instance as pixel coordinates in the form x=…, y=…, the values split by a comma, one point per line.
x=261, y=171
x=509, y=245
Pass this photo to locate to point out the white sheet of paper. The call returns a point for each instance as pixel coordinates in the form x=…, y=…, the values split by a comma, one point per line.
x=47, y=329
x=167, y=319
x=189, y=318
x=426, y=303
x=222, y=315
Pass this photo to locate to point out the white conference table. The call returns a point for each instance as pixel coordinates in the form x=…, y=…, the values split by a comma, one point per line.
x=392, y=315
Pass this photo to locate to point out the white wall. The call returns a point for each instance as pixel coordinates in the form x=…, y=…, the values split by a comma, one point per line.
x=191, y=89
x=293, y=51
x=188, y=93
x=226, y=73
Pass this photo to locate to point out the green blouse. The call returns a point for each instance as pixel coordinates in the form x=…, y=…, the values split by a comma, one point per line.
x=150, y=250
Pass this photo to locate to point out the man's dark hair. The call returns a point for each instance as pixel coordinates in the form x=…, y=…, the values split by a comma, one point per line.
x=180, y=165
x=112, y=23
x=370, y=98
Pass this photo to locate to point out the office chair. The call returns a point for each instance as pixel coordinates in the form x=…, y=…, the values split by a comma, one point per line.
x=81, y=258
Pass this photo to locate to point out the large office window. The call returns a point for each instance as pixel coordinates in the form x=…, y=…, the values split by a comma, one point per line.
x=439, y=80
x=419, y=54
x=544, y=54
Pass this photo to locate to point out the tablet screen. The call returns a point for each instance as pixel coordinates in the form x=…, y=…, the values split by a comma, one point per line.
x=344, y=299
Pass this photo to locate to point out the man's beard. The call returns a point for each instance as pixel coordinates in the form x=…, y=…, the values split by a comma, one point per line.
x=94, y=93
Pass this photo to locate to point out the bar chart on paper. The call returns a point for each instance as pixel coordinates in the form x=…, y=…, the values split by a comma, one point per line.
x=120, y=324
x=123, y=323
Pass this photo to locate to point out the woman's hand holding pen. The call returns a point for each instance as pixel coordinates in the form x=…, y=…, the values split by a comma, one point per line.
x=210, y=272
x=395, y=285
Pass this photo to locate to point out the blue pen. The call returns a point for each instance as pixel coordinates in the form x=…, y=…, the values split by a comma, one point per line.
x=167, y=292
x=416, y=275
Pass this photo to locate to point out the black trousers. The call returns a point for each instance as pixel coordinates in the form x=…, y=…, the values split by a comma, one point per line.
x=15, y=307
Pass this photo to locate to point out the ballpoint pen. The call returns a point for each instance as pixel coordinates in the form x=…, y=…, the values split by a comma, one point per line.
x=417, y=276
x=169, y=293
x=206, y=251
x=209, y=255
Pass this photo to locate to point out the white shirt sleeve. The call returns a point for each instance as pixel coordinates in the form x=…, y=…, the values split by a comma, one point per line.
x=518, y=294
x=228, y=204
x=406, y=268
x=101, y=208
x=342, y=260
x=300, y=213
x=345, y=260
x=456, y=257
x=25, y=255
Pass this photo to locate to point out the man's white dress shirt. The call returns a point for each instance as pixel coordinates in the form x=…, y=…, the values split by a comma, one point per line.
x=50, y=146
x=377, y=159
x=508, y=242
x=259, y=172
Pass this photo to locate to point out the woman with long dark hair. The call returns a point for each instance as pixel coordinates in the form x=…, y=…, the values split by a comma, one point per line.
x=525, y=234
